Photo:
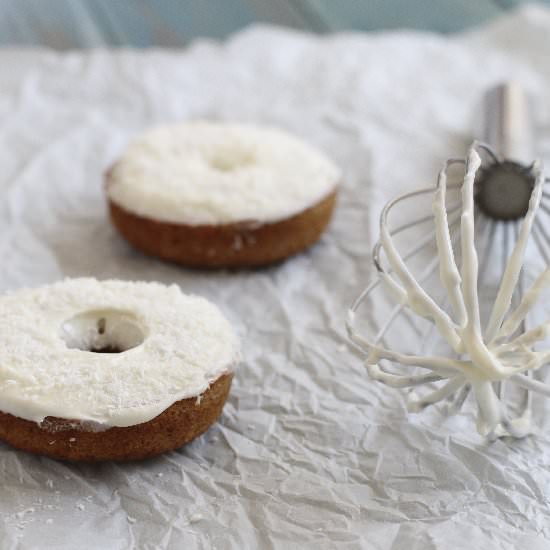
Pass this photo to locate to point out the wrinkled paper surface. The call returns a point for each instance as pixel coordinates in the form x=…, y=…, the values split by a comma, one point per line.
x=308, y=453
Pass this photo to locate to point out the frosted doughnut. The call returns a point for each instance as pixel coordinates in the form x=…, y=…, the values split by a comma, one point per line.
x=94, y=370
x=217, y=194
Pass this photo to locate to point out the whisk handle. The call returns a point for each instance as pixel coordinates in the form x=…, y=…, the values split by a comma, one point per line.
x=508, y=123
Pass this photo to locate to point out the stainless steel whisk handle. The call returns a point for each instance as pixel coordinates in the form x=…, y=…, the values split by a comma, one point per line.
x=508, y=125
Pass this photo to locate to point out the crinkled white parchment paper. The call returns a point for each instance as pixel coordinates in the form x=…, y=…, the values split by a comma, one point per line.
x=309, y=453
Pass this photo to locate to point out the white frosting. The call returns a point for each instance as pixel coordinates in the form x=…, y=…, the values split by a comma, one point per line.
x=181, y=344
x=487, y=356
x=200, y=173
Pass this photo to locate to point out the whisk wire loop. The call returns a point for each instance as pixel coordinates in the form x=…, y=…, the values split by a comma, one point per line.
x=479, y=362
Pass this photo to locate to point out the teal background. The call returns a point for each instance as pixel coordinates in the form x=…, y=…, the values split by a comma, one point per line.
x=173, y=23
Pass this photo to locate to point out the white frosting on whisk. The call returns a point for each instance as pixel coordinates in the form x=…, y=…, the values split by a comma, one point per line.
x=486, y=356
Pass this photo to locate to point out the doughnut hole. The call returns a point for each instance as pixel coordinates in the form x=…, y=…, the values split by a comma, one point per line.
x=230, y=159
x=103, y=331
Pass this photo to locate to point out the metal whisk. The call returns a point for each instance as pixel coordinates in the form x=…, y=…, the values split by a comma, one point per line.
x=458, y=306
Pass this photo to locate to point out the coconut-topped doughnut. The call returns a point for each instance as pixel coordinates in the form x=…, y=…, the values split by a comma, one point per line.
x=216, y=194
x=94, y=370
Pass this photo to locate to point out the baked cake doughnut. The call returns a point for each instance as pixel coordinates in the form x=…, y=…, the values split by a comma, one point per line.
x=110, y=370
x=209, y=194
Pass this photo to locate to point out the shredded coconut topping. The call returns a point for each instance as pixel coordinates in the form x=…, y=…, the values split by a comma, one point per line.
x=201, y=173
x=162, y=346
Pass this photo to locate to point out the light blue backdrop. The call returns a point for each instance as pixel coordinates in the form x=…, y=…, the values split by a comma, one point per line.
x=90, y=23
